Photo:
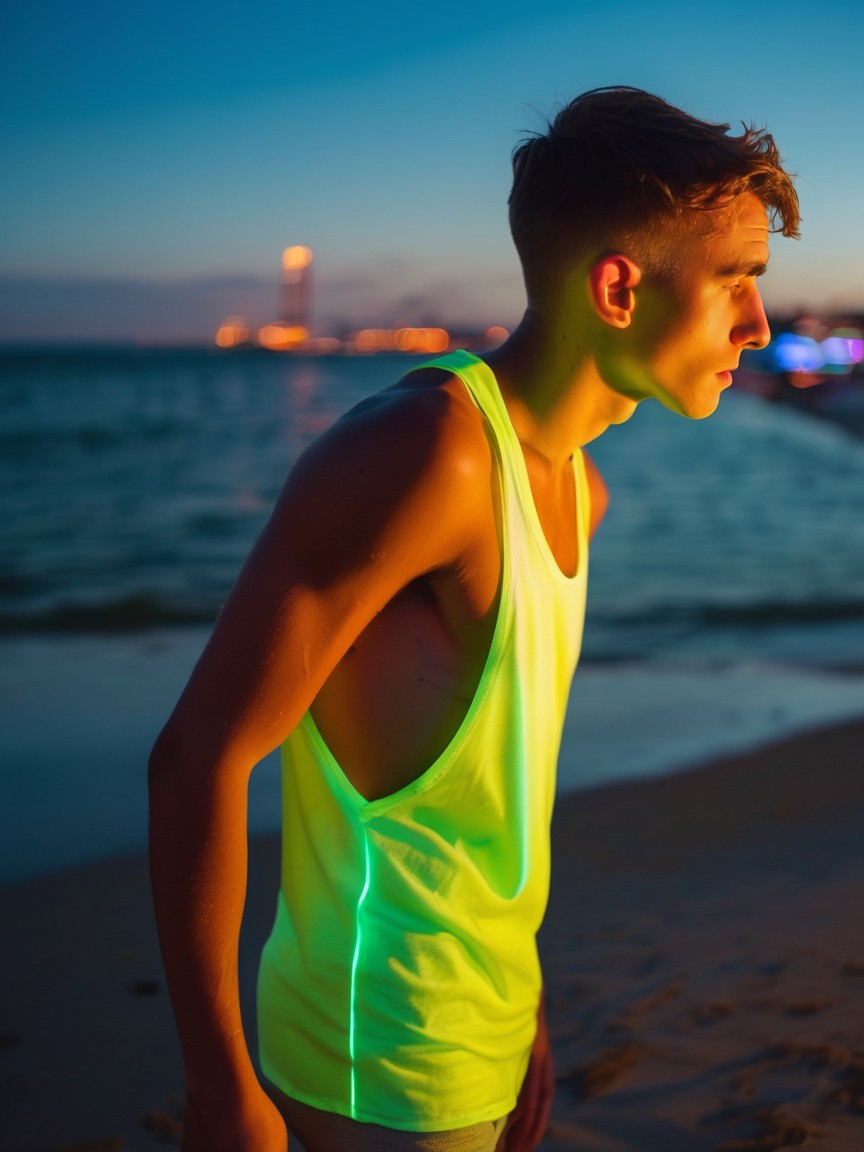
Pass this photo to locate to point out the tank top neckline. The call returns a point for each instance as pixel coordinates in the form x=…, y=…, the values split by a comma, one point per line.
x=526, y=495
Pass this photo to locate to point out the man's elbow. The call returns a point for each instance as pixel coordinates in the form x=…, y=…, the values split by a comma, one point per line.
x=175, y=766
x=186, y=761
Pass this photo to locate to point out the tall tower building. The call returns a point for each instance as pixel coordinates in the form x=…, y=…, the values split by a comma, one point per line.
x=295, y=287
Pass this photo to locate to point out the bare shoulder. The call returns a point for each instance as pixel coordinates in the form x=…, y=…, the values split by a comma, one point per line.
x=424, y=419
x=408, y=458
x=387, y=495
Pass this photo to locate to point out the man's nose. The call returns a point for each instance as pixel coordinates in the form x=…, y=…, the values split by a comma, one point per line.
x=752, y=331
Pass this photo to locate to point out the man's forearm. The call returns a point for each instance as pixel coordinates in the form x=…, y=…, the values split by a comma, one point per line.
x=198, y=862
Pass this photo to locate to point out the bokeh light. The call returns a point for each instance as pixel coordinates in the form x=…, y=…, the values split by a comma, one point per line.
x=296, y=258
x=231, y=332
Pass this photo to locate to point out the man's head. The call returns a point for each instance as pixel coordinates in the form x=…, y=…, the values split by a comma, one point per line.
x=622, y=170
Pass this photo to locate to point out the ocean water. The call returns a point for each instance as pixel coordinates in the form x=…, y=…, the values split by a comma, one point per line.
x=133, y=484
x=726, y=594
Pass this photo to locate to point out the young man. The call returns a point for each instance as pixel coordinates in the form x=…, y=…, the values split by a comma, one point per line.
x=408, y=625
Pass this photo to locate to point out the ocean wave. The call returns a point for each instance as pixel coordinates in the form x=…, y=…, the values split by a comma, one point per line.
x=143, y=434
x=133, y=485
x=146, y=610
x=136, y=613
x=754, y=614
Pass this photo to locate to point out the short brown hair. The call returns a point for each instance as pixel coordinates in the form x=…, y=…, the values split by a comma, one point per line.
x=619, y=163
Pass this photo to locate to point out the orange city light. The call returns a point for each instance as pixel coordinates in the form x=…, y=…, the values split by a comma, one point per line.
x=231, y=332
x=296, y=258
x=421, y=340
x=495, y=335
x=281, y=337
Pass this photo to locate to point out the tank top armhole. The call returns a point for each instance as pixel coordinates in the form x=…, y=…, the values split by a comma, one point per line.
x=583, y=501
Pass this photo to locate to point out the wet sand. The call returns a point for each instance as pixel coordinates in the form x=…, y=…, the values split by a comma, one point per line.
x=704, y=957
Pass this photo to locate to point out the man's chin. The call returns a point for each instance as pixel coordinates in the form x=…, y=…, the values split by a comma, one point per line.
x=693, y=409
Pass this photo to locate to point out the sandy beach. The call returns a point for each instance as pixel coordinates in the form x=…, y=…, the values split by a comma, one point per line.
x=704, y=957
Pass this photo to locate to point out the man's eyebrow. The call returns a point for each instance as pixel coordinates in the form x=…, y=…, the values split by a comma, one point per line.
x=744, y=268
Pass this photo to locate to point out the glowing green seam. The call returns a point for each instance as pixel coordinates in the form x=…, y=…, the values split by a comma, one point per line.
x=351, y=1021
x=526, y=823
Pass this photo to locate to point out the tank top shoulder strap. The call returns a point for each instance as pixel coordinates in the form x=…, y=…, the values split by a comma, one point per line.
x=482, y=387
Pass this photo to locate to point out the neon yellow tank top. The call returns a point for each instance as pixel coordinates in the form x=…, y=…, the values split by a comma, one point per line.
x=400, y=983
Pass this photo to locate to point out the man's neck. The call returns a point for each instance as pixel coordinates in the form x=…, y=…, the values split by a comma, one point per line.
x=553, y=390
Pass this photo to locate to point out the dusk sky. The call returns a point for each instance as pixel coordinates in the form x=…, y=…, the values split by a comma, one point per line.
x=159, y=157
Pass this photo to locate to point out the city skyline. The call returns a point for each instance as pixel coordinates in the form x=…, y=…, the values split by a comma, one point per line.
x=150, y=196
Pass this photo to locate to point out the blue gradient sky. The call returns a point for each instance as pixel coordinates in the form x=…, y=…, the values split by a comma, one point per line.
x=160, y=156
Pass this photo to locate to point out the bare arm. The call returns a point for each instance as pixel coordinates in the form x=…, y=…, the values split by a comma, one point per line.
x=359, y=518
x=528, y=1121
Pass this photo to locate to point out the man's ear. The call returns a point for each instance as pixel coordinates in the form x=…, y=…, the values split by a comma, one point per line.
x=614, y=279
